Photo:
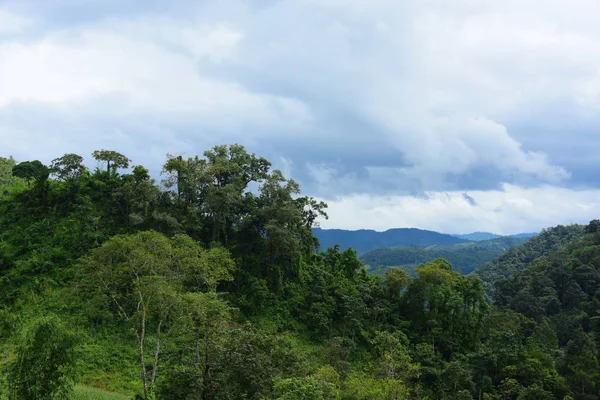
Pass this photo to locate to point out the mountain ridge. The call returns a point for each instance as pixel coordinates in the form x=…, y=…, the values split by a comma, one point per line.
x=364, y=240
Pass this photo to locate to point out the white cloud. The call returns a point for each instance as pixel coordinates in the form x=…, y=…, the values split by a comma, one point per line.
x=71, y=67
x=511, y=210
x=12, y=23
x=439, y=82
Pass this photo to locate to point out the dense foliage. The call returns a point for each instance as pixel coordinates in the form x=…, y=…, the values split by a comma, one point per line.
x=466, y=257
x=211, y=285
x=518, y=258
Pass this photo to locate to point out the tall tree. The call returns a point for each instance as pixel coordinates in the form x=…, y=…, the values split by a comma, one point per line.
x=144, y=275
x=31, y=171
x=68, y=168
x=114, y=160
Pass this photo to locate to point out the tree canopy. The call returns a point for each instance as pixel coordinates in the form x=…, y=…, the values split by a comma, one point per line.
x=208, y=283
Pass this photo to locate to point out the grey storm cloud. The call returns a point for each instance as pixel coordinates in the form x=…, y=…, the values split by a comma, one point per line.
x=348, y=97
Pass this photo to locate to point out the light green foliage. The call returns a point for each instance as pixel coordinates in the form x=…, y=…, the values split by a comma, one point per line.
x=88, y=393
x=9, y=183
x=145, y=276
x=44, y=363
x=307, y=388
x=365, y=387
x=323, y=385
x=396, y=280
x=392, y=360
x=68, y=167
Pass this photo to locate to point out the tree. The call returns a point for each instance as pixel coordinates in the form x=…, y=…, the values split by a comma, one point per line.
x=113, y=160
x=68, y=168
x=396, y=280
x=392, y=358
x=45, y=363
x=8, y=182
x=361, y=386
x=323, y=385
x=196, y=359
x=593, y=226
x=31, y=171
x=38, y=173
x=144, y=276
x=445, y=307
x=140, y=174
x=579, y=364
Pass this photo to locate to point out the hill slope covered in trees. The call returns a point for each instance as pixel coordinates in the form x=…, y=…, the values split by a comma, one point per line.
x=517, y=258
x=465, y=257
x=114, y=286
x=482, y=236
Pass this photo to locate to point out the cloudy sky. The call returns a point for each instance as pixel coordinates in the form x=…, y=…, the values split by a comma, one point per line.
x=451, y=115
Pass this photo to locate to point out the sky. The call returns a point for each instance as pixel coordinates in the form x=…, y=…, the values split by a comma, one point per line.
x=450, y=115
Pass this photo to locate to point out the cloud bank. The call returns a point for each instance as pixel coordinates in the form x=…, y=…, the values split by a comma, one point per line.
x=382, y=108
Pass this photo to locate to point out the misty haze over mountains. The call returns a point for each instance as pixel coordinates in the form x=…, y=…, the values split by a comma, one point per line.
x=364, y=240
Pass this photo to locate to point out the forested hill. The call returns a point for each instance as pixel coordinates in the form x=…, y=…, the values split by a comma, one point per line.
x=517, y=258
x=481, y=236
x=211, y=285
x=465, y=257
x=478, y=236
x=365, y=240
x=561, y=292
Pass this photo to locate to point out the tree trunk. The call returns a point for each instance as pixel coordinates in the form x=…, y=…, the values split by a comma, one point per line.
x=156, y=351
x=140, y=339
x=206, y=372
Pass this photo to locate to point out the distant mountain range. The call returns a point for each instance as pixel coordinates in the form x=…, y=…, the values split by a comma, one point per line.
x=480, y=236
x=365, y=240
x=410, y=247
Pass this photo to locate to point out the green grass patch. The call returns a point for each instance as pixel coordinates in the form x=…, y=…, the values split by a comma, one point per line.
x=88, y=393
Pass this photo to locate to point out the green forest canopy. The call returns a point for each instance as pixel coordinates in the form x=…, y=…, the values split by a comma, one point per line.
x=466, y=257
x=199, y=288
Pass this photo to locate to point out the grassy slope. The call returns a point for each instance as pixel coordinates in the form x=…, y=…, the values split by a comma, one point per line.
x=88, y=393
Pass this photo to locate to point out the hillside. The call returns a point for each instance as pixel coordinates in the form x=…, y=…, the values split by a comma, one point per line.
x=113, y=286
x=365, y=240
x=478, y=236
x=466, y=257
x=560, y=292
x=526, y=235
x=481, y=236
x=517, y=258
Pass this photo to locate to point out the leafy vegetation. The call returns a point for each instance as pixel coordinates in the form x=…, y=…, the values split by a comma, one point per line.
x=466, y=257
x=518, y=258
x=87, y=393
x=211, y=285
